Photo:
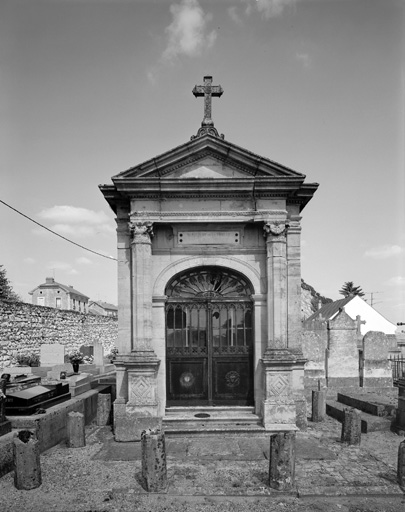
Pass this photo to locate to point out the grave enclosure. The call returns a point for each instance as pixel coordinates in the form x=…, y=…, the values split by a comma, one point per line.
x=209, y=278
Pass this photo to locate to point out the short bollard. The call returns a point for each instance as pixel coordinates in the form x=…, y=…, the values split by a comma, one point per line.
x=154, y=472
x=318, y=406
x=282, y=461
x=103, y=409
x=75, y=430
x=401, y=464
x=27, y=465
x=351, y=426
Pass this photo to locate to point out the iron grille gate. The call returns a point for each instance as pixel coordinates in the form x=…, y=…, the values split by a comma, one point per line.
x=209, y=352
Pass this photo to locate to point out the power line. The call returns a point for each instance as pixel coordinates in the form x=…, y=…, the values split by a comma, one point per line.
x=57, y=234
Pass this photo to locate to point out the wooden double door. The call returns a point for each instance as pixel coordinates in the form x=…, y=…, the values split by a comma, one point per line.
x=209, y=351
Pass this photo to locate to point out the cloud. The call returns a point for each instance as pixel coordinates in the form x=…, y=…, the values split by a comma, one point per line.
x=187, y=33
x=83, y=261
x=304, y=58
x=383, y=251
x=76, y=221
x=232, y=11
x=396, y=281
x=268, y=8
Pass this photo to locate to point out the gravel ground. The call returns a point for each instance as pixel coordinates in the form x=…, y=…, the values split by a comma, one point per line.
x=81, y=480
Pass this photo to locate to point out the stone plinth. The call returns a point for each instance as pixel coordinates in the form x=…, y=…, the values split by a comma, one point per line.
x=282, y=461
x=136, y=407
x=154, y=472
x=278, y=407
x=26, y=454
x=377, y=370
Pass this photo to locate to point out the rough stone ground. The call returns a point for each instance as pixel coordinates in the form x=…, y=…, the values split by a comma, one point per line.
x=216, y=474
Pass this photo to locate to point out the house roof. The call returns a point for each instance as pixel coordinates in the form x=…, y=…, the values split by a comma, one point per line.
x=104, y=305
x=327, y=311
x=51, y=283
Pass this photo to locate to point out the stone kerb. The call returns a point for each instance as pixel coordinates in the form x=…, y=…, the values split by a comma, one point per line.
x=377, y=370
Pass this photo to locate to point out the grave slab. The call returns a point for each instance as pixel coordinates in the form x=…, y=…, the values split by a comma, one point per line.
x=79, y=383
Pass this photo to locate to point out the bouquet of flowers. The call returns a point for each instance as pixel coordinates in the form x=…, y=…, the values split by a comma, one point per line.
x=76, y=356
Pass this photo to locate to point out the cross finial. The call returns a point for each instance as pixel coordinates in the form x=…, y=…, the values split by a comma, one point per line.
x=208, y=91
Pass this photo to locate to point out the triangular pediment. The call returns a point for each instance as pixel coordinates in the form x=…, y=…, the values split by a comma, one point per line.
x=208, y=158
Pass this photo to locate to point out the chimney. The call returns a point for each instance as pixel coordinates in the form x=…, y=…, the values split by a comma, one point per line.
x=49, y=280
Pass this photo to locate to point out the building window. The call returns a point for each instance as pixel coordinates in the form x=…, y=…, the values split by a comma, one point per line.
x=41, y=301
x=58, y=302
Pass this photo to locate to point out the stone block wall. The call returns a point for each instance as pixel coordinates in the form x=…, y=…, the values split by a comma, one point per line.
x=25, y=327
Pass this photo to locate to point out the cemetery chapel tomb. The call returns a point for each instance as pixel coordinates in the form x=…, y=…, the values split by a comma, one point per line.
x=209, y=282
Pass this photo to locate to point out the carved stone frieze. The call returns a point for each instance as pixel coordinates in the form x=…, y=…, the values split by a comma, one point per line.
x=222, y=213
x=141, y=232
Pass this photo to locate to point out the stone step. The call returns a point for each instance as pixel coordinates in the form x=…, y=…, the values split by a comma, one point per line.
x=211, y=420
x=369, y=423
x=369, y=403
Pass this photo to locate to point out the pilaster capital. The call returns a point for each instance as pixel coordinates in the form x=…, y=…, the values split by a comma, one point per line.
x=275, y=230
x=294, y=224
x=141, y=232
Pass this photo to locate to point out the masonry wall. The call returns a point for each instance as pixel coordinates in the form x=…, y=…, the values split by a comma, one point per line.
x=25, y=327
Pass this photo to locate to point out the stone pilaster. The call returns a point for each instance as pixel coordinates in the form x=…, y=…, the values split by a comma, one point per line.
x=136, y=407
x=294, y=282
x=276, y=243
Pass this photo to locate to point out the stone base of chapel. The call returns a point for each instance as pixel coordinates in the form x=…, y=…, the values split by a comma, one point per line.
x=130, y=421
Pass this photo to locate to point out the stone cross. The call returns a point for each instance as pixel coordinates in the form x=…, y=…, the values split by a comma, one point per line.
x=359, y=323
x=208, y=91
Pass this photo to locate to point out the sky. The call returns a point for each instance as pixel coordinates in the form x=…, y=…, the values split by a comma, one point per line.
x=90, y=88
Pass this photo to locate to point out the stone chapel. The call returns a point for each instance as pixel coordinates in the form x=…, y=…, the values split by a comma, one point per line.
x=209, y=283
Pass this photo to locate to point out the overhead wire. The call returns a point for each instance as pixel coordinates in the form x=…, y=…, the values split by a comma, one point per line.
x=57, y=234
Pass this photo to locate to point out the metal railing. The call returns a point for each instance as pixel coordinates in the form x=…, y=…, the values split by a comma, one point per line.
x=398, y=367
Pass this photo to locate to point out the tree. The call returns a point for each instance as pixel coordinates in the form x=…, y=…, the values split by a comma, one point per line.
x=349, y=289
x=6, y=290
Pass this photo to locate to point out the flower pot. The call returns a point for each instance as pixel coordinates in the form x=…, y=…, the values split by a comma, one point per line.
x=75, y=367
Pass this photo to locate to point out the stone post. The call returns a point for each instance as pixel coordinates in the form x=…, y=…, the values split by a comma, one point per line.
x=401, y=464
x=282, y=461
x=75, y=430
x=351, y=426
x=318, y=406
x=27, y=464
x=103, y=409
x=154, y=472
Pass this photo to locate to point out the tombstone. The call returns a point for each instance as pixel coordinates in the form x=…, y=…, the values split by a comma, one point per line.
x=314, y=343
x=52, y=354
x=377, y=372
x=351, y=426
x=154, y=472
x=87, y=350
x=27, y=401
x=98, y=354
x=282, y=461
x=26, y=455
x=343, y=356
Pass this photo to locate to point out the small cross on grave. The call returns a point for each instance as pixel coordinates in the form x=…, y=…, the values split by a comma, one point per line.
x=208, y=91
x=359, y=324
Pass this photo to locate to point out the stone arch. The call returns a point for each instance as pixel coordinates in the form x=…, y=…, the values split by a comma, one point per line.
x=240, y=266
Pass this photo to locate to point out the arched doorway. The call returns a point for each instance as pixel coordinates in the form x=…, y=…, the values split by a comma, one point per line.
x=209, y=338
